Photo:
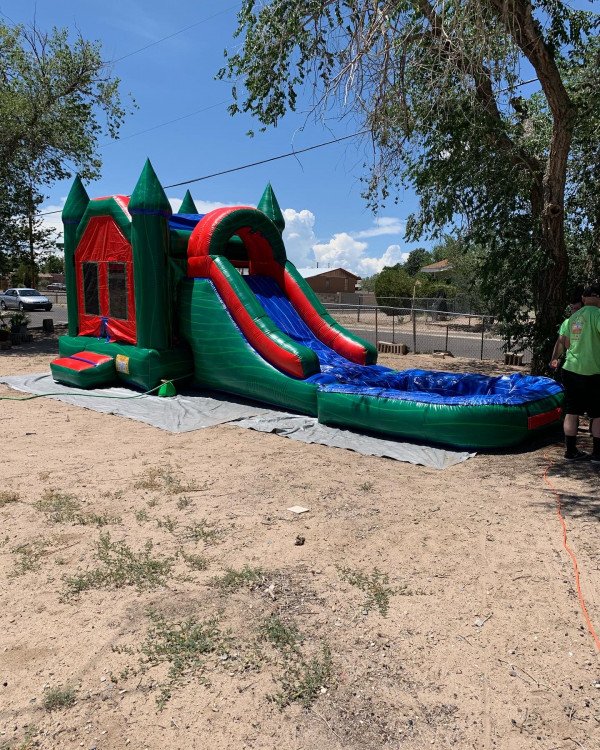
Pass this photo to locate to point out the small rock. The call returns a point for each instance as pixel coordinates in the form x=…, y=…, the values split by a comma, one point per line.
x=299, y=541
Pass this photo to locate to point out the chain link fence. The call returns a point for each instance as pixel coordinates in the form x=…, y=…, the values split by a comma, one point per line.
x=425, y=331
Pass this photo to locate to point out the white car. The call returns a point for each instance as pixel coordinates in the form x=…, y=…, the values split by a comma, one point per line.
x=24, y=299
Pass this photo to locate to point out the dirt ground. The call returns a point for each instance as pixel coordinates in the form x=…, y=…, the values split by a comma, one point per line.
x=158, y=593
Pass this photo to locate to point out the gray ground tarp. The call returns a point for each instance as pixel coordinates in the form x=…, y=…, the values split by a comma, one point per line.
x=187, y=412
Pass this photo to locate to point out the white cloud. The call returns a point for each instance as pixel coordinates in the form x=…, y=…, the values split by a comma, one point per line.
x=54, y=219
x=391, y=256
x=299, y=236
x=382, y=225
x=343, y=251
x=203, y=206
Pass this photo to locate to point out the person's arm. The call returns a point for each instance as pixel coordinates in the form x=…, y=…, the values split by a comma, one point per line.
x=559, y=349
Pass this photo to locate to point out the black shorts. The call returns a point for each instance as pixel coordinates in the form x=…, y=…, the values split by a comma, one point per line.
x=582, y=394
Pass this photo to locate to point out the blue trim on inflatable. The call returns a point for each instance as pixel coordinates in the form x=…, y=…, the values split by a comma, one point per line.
x=185, y=222
x=339, y=375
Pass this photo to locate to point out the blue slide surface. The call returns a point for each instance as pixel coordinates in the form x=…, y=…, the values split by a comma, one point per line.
x=342, y=376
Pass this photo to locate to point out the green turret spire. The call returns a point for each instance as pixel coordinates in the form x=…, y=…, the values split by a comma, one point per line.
x=150, y=210
x=269, y=206
x=148, y=196
x=77, y=202
x=188, y=206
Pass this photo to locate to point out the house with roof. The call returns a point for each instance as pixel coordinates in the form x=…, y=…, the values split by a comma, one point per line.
x=330, y=280
x=440, y=271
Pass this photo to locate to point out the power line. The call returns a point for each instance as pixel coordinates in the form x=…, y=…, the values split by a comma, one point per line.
x=164, y=124
x=266, y=161
x=170, y=36
x=251, y=164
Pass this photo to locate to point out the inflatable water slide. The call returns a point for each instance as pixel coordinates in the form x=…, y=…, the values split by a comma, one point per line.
x=214, y=300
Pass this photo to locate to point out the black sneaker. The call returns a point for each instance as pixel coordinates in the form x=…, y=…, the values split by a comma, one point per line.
x=595, y=459
x=577, y=456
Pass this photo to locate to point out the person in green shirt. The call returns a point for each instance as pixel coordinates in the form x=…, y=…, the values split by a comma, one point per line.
x=562, y=342
x=581, y=374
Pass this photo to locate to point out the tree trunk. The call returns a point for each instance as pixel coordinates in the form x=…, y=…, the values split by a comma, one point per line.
x=30, y=217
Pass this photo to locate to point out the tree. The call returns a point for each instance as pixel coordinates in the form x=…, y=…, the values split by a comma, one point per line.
x=53, y=264
x=437, y=85
x=417, y=258
x=394, y=288
x=54, y=90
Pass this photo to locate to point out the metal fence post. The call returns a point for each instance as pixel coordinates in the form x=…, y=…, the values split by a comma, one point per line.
x=376, y=327
x=393, y=329
x=482, y=334
x=414, y=322
x=446, y=345
x=358, y=313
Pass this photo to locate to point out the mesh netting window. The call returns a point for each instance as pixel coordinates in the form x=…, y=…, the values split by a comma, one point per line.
x=90, y=289
x=117, y=290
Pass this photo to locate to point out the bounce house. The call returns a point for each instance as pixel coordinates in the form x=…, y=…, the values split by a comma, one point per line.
x=213, y=300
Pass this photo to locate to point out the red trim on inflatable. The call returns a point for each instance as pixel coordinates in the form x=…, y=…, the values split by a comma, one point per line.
x=259, y=252
x=546, y=417
x=336, y=340
x=72, y=364
x=92, y=358
x=262, y=263
x=103, y=243
x=199, y=242
x=204, y=267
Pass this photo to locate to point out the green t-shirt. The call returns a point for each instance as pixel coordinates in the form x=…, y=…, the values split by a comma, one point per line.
x=564, y=328
x=583, y=354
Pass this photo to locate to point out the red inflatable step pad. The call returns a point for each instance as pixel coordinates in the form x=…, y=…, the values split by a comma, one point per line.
x=72, y=364
x=92, y=358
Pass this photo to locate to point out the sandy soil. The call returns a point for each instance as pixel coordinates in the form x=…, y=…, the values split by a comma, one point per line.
x=424, y=608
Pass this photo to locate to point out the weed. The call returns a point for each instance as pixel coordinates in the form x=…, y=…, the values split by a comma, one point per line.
x=183, y=502
x=30, y=555
x=366, y=486
x=97, y=519
x=375, y=586
x=233, y=580
x=121, y=566
x=167, y=523
x=303, y=680
x=59, y=698
x=8, y=496
x=141, y=516
x=183, y=645
x=196, y=562
x=202, y=532
x=29, y=740
x=64, y=508
x=282, y=636
x=58, y=506
x=122, y=649
x=163, y=479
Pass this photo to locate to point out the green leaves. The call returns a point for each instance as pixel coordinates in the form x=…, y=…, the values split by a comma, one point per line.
x=57, y=97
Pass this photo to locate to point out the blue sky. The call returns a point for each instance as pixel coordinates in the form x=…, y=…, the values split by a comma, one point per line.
x=319, y=191
x=327, y=220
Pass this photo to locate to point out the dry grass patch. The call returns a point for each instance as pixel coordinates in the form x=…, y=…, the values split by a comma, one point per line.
x=61, y=507
x=59, y=697
x=29, y=556
x=121, y=566
x=185, y=646
x=164, y=479
x=8, y=496
x=375, y=586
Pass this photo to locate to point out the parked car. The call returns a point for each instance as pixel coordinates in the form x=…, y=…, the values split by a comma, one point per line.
x=56, y=287
x=24, y=299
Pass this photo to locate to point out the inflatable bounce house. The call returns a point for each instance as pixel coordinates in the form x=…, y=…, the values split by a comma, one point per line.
x=156, y=298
